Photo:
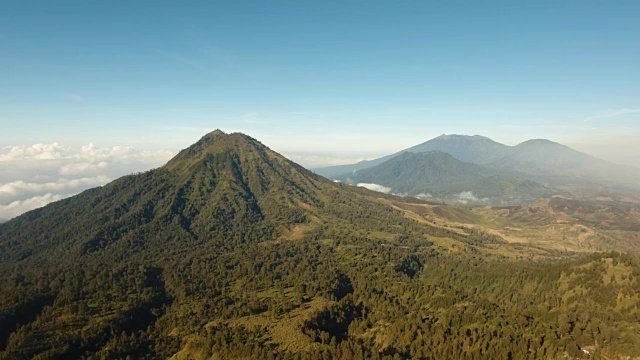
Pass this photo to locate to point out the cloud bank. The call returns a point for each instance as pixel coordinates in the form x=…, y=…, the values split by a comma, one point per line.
x=33, y=176
x=18, y=207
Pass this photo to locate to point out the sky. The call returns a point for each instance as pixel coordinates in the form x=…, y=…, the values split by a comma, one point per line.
x=323, y=82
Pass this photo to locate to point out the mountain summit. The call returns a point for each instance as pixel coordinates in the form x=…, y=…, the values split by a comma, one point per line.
x=474, y=149
x=224, y=188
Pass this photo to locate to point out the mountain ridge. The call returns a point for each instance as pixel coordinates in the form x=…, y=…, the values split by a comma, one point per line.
x=542, y=160
x=438, y=176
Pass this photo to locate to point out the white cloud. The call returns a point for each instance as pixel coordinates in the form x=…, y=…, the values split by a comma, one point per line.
x=18, y=207
x=612, y=114
x=19, y=189
x=375, y=187
x=37, y=151
x=82, y=168
x=424, y=196
x=87, y=152
x=466, y=197
x=32, y=176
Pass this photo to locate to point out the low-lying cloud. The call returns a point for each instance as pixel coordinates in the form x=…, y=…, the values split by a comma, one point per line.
x=16, y=190
x=83, y=168
x=466, y=197
x=375, y=187
x=33, y=176
x=424, y=196
x=18, y=207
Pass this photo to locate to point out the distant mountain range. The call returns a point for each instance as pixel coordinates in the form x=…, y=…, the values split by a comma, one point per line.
x=499, y=169
x=434, y=175
x=474, y=149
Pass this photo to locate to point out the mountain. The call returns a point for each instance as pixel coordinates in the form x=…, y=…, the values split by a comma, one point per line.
x=561, y=164
x=210, y=191
x=438, y=176
x=474, y=149
x=538, y=160
x=230, y=251
x=542, y=157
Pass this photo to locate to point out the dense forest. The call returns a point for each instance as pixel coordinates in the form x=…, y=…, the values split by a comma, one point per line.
x=231, y=251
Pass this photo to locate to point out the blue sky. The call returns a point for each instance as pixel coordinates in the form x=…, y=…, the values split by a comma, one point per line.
x=321, y=81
